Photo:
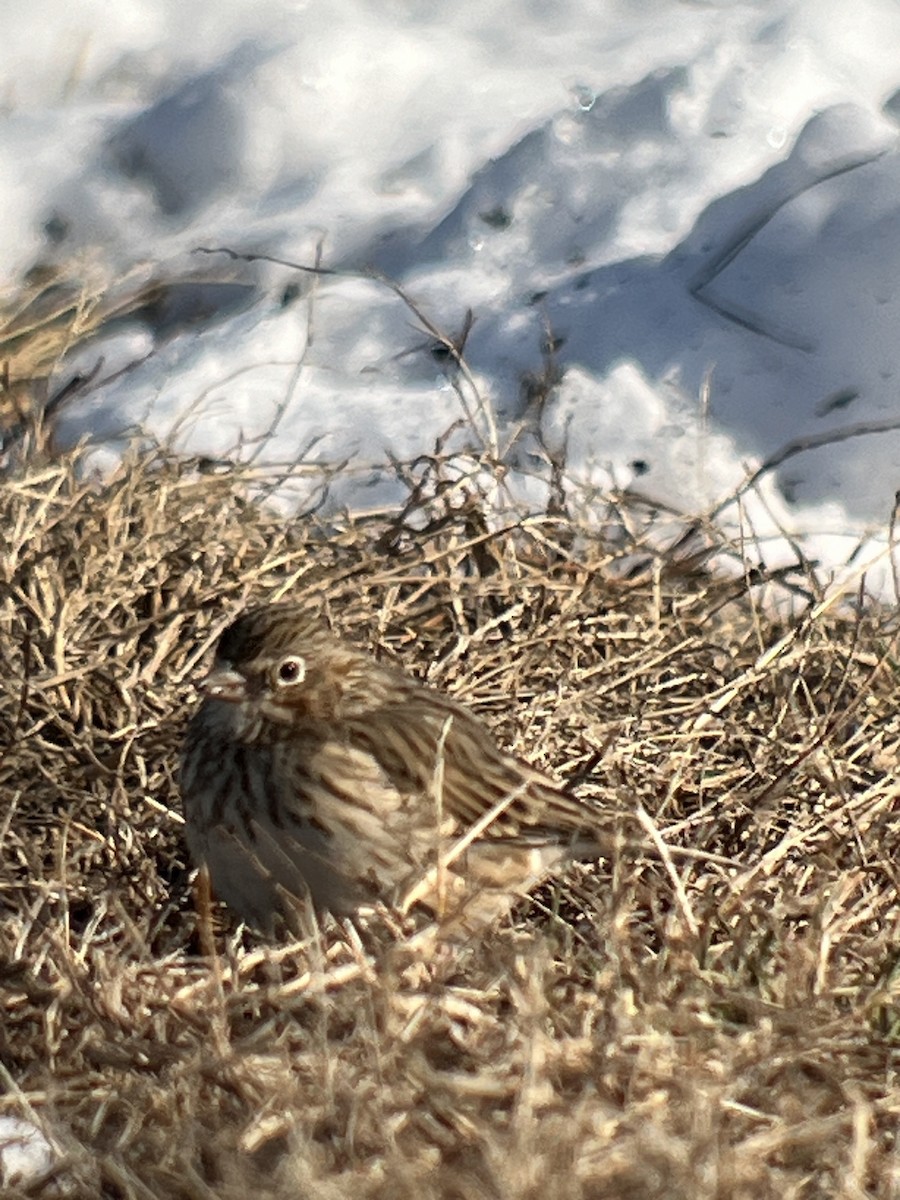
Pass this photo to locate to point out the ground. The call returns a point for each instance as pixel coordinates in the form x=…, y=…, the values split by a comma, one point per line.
x=709, y=1012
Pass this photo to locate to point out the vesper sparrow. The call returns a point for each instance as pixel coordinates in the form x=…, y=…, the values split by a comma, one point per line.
x=312, y=771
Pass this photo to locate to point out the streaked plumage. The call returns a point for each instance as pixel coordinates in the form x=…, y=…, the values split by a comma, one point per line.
x=312, y=770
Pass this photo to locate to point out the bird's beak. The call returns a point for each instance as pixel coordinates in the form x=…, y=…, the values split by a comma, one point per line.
x=225, y=684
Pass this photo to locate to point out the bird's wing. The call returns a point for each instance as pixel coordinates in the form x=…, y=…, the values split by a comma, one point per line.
x=366, y=826
x=442, y=750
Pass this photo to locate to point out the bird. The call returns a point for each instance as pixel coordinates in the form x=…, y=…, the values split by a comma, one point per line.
x=313, y=774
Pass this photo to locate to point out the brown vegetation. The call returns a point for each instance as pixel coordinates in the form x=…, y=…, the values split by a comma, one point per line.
x=717, y=1021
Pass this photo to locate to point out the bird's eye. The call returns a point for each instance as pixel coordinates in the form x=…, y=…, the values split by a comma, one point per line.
x=290, y=670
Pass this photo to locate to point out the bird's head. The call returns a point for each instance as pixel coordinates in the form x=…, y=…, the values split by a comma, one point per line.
x=274, y=664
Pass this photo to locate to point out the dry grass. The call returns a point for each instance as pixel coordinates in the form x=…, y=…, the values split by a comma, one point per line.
x=58, y=310
x=653, y=1025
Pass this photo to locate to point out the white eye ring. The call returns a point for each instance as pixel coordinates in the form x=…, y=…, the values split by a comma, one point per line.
x=290, y=670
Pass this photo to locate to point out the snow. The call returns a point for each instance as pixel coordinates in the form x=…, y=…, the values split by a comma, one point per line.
x=683, y=217
x=25, y=1152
